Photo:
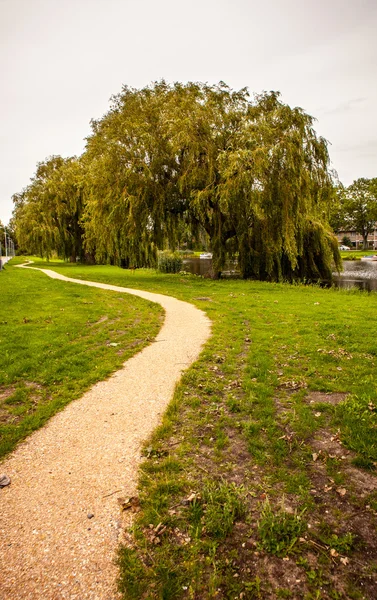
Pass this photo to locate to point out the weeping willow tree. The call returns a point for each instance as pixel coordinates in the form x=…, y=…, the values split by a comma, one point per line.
x=48, y=211
x=133, y=205
x=253, y=174
x=276, y=191
x=153, y=165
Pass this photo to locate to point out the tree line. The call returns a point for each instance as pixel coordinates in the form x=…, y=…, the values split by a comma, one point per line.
x=355, y=208
x=172, y=160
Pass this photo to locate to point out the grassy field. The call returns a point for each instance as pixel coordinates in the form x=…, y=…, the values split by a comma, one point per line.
x=56, y=340
x=260, y=482
x=356, y=254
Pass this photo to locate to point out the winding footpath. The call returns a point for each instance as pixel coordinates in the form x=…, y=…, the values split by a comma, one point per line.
x=60, y=522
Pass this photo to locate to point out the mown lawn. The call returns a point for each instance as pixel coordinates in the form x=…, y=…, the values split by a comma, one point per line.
x=56, y=340
x=261, y=482
x=356, y=254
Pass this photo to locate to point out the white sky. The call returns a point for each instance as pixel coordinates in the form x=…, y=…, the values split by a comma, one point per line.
x=61, y=60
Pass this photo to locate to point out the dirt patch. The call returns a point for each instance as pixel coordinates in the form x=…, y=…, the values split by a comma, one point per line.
x=364, y=482
x=6, y=392
x=328, y=444
x=14, y=408
x=32, y=384
x=283, y=575
x=101, y=320
x=318, y=397
x=7, y=418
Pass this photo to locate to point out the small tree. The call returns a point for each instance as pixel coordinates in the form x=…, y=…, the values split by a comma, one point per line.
x=346, y=241
x=358, y=207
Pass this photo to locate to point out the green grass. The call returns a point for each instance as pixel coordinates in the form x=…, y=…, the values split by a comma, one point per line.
x=356, y=254
x=56, y=340
x=242, y=430
x=279, y=530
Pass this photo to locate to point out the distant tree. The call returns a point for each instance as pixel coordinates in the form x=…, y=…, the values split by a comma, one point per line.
x=358, y=207
x=336, y=209
x=47, y=213
x=346, y=241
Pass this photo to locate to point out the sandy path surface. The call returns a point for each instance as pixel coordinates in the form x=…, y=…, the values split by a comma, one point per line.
x=66, y=471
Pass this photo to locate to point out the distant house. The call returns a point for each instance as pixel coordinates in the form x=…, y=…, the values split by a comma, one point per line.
x=357, y=239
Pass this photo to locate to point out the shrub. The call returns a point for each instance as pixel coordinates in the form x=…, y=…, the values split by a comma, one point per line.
x=169, y=262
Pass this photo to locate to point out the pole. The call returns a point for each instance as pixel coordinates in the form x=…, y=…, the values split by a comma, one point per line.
x=6, y=249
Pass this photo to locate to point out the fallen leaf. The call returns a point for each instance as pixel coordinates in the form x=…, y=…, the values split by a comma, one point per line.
x=317, y=414
x=341, y=491
x=315, y=456
x=333, y=552
x=129, y=503
x=344, y=560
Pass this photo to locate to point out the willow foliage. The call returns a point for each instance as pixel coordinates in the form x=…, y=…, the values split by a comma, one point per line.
x=48, y=211
x=253, y=174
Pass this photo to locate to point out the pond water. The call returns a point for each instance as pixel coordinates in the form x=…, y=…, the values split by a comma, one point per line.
x=360, y=274
x=202, y=266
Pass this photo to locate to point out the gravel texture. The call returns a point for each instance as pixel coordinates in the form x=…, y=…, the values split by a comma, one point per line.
x=60, y=522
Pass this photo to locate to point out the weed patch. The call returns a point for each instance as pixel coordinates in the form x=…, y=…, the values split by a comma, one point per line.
x=279, y=530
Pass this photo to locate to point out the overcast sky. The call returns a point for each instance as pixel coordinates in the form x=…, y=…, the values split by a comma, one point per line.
x=61, y=60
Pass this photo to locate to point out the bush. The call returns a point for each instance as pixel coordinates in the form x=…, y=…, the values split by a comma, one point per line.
x=169, y=262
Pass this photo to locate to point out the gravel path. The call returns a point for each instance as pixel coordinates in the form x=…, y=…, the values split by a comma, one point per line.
x=51, y=547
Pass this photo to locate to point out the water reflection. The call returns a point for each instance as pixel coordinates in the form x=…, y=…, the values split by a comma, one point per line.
x=358, y=274
x=203, y=266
